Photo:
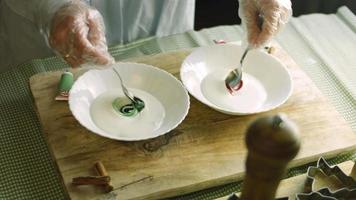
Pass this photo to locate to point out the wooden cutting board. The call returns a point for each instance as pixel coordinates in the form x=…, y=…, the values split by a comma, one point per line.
x=206, y=150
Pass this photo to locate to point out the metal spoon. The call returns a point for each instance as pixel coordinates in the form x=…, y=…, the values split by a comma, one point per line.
x=233, y=81
x=136, y=102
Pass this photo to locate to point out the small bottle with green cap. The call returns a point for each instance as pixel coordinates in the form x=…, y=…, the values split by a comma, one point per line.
x=65, y=84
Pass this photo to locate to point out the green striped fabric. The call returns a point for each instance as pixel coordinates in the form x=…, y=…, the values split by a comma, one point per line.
x=27, y=170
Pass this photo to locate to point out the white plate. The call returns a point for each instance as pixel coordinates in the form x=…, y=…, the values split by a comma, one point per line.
x=167, y=102
x=267, y=82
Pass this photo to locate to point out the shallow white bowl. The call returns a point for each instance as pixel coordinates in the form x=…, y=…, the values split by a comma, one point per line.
x=167, y=102
x=267, y=82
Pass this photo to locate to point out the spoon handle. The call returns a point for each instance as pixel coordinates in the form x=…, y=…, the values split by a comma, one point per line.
x=124, y=89
x=244, y=55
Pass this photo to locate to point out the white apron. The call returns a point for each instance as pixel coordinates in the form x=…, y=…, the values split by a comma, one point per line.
x=125, y=20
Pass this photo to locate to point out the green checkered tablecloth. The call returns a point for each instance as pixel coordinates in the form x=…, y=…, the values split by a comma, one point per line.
x=323, y=45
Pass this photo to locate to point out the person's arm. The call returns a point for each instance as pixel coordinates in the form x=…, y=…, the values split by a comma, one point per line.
x=274, y=14
x=74, y=30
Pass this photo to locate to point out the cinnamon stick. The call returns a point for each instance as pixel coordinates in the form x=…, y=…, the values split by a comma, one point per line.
x=100, y=169
x=91, y=180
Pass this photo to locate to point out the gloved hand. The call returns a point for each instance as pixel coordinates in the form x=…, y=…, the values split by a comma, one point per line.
x=274, y=14
x=77, y=32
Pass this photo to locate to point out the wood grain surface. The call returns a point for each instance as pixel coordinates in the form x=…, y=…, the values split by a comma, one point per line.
x=206, y=150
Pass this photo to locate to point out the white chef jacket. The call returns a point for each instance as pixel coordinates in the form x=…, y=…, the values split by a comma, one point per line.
x=22, y=21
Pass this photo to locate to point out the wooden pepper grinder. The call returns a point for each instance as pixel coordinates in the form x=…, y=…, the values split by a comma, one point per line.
x=272, y=142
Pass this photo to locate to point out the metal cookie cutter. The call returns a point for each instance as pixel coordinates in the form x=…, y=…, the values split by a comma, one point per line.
x=347, y=192
x=235, y=197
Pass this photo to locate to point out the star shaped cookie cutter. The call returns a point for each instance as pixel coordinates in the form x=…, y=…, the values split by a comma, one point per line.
x=347, y=192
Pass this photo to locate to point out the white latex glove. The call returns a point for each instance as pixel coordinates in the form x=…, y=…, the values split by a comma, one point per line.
x=77, y=32
x=275, y=13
